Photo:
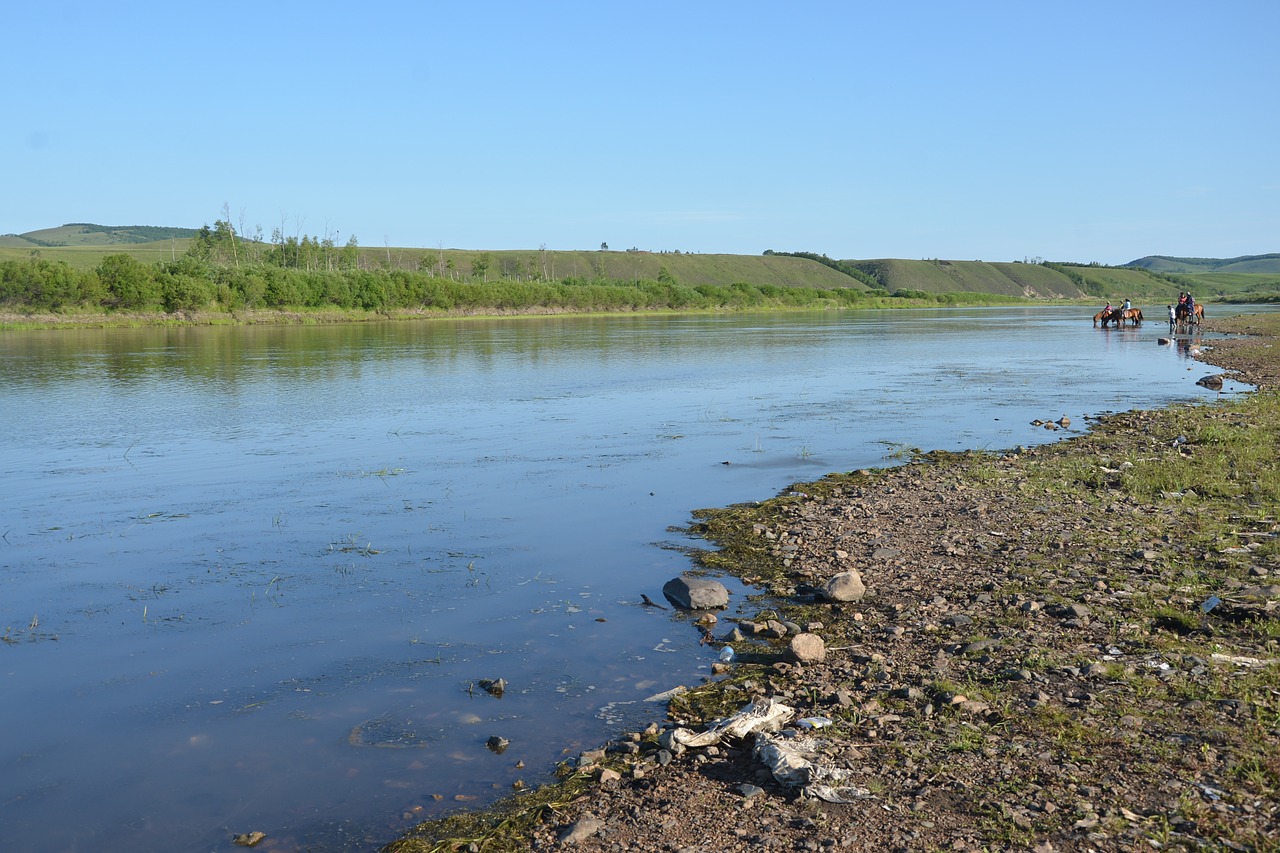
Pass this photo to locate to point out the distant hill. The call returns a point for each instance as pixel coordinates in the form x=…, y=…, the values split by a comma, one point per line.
x=940, y=276
x=88, y=234
x=1265, y=264
x=1155, y=278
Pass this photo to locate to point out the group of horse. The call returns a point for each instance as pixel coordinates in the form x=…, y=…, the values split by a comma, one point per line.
x=1184, y=316
x=1118, y=316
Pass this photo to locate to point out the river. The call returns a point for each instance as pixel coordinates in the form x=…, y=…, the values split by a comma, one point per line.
x=250, y=577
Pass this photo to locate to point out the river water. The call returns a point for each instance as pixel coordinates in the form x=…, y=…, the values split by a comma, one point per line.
x=250, y=577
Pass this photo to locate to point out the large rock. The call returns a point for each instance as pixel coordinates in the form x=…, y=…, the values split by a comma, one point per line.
x=846, y=586
x=693, y=593
x=807, y=648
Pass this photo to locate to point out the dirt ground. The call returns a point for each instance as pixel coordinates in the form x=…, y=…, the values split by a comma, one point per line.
x=1069, y=648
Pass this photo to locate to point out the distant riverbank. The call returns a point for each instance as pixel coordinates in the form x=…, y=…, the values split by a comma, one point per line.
x=12, y=320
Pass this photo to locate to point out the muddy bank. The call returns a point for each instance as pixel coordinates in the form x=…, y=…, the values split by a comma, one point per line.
x=1069, y=648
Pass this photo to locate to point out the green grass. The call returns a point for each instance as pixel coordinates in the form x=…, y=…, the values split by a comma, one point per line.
x=88, y=257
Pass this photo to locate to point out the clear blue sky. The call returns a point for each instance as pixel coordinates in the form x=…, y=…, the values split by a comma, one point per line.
x=1084, y=131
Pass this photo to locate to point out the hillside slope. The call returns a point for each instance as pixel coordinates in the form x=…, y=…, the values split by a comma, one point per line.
x=1153, y=278
x=939, y=276
x=88, y=234
x=689, y=269
x=1263, y=264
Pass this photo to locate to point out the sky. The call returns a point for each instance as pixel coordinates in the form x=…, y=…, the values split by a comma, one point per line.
x=1083, y=131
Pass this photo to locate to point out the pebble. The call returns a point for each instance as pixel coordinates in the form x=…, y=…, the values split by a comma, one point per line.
x=581, y=830
x=980, y=646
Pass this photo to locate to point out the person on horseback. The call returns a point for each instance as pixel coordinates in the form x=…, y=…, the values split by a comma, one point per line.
x=1126, y=306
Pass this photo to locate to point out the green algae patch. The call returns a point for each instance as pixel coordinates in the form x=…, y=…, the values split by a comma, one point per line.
x=716, y=699
x=506, y=825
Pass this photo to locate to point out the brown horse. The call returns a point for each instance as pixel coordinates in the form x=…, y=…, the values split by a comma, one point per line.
x=1189, y=317
x=1118, y=316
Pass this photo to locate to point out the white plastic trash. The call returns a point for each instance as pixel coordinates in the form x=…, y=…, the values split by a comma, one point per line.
x=814, y=722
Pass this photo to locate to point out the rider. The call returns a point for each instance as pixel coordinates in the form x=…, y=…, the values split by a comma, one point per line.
x=1126, y=306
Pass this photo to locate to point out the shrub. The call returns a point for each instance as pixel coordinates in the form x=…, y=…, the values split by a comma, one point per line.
x=128, y=283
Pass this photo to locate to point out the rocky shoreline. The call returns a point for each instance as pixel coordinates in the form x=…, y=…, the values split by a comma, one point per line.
x=1070, y=648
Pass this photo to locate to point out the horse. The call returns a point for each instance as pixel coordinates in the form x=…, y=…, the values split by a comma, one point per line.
x=1107, y=316
x=1118, y=316
x=1189, y=316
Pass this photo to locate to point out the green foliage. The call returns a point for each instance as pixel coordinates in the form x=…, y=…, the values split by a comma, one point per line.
x=849, y=268
x=183, y=292
x=129, y=284
x=197, y=281
x=40, y=285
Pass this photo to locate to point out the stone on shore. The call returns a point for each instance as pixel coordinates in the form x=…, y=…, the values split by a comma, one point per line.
x=807, y=648
x=846, y=586
x=583, y=829
x=691, y=593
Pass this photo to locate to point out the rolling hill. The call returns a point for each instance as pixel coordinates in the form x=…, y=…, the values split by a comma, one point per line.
x=1259, y=264
x=88, y=234
x=1153, y=278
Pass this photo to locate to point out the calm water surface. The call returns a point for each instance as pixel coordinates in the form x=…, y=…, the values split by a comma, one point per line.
x=249, y=576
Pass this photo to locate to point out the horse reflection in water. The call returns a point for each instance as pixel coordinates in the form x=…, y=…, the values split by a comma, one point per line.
x=1187, y=347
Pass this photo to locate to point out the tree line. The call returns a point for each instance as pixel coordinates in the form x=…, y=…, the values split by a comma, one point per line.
x=847, y=267
x=224, y=271
x=203, y=279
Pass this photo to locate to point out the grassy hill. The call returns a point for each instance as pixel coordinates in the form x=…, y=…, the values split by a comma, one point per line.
x=83, y=245
x=690, y=269
x=88, y=256
x=88, y=234
x=85, y=249
x=1153, y=279
x=1259, y=264
x=939, y=276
